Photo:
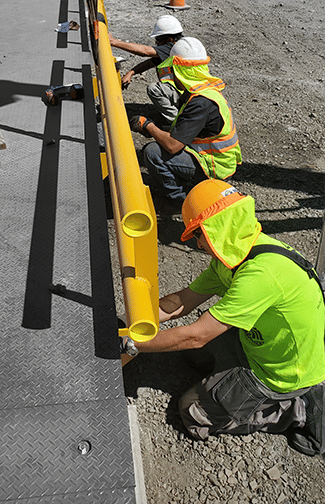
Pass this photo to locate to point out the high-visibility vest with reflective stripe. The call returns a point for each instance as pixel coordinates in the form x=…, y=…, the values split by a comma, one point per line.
x=218, y=155
x=165, y=74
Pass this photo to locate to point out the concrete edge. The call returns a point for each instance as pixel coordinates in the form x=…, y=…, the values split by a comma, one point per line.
x=140, y=489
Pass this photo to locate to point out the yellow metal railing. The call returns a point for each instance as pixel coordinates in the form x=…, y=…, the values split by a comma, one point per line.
x=134, y=214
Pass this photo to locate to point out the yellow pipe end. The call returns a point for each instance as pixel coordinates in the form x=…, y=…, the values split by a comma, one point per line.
x=143, y=330
x=136, y=224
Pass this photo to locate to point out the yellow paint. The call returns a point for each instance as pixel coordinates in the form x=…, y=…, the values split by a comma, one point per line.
x=123, y=331
x=134, y=215
x=95, y=87
x=104, y=165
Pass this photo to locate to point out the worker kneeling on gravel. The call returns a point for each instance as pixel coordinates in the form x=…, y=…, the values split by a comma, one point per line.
x=164, y=94
x=202, y=141
x=261, y=345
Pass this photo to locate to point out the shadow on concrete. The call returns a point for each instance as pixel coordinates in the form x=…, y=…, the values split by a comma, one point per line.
x=37, y=307
x=39, y=287
x=11, y=90
x=64, y=15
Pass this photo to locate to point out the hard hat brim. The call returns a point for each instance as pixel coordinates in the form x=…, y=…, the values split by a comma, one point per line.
x=215, y=208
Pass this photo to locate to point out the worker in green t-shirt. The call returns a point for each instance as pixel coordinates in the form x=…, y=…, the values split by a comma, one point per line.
x=261, y=344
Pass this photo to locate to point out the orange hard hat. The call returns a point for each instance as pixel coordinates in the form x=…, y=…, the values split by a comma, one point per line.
x=204, y=200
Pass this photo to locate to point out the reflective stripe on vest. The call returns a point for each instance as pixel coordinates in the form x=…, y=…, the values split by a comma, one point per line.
x=165, y=73
x=212, y=85
x=216, y=143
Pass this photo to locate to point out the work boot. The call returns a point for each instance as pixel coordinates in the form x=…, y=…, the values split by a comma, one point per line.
x=310, y=439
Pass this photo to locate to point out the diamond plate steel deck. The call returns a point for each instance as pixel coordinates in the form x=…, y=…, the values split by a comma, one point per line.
x=60, y=372
x=43, y=443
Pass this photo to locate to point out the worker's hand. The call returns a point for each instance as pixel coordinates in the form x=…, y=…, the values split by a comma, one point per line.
x=139, y=124
x=170, y=305
x=126, y=79
x=111, y=38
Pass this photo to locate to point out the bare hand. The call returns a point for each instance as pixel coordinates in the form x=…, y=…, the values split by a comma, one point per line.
x=126, y=79
x=170, y=305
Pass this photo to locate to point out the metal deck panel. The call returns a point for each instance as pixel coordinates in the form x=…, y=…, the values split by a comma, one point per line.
x=60, y=372
x=53, y=433
x=114, y=496
x=54, y=229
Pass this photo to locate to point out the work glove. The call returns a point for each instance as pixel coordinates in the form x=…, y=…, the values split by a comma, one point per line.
x=139, y=124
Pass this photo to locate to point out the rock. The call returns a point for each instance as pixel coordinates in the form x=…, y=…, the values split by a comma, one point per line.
x=222, y=477
x=258, y=451
x=253, y=485
x=213, y=479
x=241, y=465
x=273, y=473
x=282, y=497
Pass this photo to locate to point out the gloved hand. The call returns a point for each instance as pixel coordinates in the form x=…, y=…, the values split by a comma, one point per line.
x=139, y=124
x=127, y=346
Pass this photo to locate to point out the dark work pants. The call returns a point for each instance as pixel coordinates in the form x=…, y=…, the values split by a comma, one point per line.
x=231, y=399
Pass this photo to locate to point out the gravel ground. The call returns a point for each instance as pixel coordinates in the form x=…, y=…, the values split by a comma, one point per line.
x=270, y=55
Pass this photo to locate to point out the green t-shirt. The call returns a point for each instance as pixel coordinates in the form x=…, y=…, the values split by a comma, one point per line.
x=280, y=315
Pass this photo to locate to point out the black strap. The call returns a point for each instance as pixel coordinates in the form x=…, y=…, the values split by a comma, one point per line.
x=291, y=254
x=101, y=17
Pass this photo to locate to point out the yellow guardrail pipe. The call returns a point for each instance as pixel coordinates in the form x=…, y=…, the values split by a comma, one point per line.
x=134, y=214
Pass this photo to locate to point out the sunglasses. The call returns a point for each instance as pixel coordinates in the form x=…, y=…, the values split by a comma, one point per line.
x=197, y=233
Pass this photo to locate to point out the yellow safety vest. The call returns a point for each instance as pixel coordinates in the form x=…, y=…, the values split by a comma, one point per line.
x=218, y=155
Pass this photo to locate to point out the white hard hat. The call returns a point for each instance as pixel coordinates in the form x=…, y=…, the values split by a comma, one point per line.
x=189, y=48
x=166, y=25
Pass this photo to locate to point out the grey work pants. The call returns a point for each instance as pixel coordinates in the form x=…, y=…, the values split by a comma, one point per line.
x=232, y=400
x=165, y=98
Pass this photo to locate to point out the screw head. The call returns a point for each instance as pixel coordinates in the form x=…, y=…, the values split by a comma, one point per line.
x=84, y=447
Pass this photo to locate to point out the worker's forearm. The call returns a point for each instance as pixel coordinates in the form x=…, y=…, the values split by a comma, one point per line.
x=164, y=139
x=195, y=335
x=143, y=66
x=170, y=340
x=180, y=303
x=133, y=48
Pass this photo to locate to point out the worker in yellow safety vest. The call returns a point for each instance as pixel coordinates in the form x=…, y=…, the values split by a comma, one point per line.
x=260, y=345
x=164, y=93
x=202, y=140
